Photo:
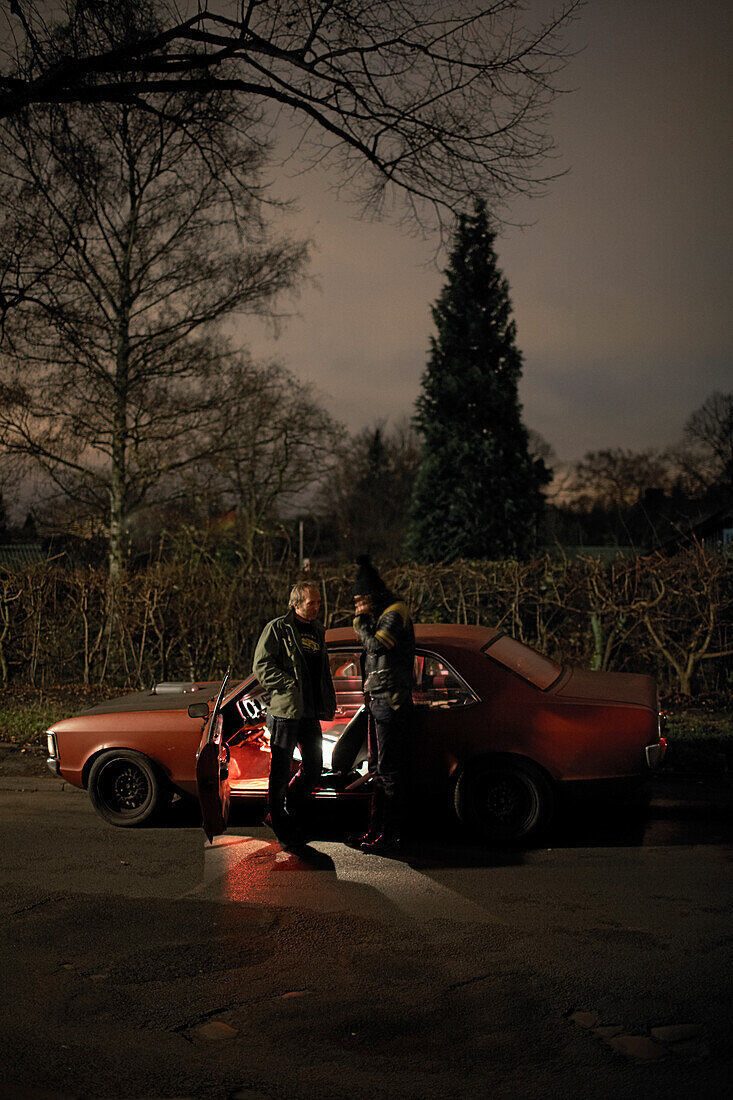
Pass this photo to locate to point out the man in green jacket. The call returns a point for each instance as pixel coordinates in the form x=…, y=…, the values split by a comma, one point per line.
x=291, y=663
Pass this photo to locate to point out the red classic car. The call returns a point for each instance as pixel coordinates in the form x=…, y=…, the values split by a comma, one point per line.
x=499, y=729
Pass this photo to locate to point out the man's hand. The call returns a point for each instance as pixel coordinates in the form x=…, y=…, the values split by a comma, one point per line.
x=363, y=605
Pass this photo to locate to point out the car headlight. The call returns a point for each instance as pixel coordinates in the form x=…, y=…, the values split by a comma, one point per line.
x=51, y=742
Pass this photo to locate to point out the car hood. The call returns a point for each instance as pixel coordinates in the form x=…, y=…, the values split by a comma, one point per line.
x=147, y=700
x=608, y=687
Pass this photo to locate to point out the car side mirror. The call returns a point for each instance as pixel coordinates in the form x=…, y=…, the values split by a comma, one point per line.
x=198, y=710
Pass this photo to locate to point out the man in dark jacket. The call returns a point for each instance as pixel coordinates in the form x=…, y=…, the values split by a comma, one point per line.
x=291, y=663
x=384, y=626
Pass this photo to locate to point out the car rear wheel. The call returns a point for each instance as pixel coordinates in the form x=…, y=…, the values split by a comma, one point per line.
x=125, y=788
x=504, y=801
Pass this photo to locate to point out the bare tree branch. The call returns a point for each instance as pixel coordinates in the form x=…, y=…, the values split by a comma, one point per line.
x=141, y=235
x=444, y=101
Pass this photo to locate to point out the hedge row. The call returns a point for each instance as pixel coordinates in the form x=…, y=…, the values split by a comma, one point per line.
x=672, y=617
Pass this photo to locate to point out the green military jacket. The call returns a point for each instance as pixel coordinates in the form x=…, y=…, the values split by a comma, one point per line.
x=279, y=664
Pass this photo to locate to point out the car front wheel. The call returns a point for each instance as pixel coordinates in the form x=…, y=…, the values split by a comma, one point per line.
x=503, y=801
x=125, y=788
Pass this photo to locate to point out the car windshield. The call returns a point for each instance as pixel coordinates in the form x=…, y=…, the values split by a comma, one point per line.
x=526, y=662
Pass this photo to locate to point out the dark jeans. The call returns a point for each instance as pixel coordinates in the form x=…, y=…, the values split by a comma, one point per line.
x=388, y=731
x=285, y=796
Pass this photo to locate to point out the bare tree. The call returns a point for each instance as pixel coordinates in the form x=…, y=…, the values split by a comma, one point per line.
x=540, y=449
x=709, y=436
x=686, y=609
x=616, y=478
x=366, y=497
x=144, y=233
x=272, y=444
x=444, y=100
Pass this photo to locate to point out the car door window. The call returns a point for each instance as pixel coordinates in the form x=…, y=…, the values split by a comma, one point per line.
x=437, y=685
x=346, y=674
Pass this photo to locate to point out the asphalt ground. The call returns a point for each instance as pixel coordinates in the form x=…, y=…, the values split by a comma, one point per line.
x=144, y=963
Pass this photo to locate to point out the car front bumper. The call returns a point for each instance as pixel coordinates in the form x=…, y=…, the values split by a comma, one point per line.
x=54, y=765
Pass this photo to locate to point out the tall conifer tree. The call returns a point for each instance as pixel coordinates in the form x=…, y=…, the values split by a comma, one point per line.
x=478, y=492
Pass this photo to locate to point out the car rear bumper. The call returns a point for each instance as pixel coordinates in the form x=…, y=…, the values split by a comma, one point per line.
x=655, y=753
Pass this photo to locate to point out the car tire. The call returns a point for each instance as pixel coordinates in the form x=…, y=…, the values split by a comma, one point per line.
x=503, y=801
x=126, y=789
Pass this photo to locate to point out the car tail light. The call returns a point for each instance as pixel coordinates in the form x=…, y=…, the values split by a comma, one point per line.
x=51, y=742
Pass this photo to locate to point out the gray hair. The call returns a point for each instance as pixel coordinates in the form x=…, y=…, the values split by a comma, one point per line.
x=298, y=591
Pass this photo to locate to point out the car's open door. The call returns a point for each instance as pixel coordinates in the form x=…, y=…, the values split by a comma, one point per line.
x=212, y=771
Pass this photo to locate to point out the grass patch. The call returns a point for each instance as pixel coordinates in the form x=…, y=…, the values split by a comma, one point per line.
x=26, y=714
x=698, y=740
x=693, y=725
x=27, y=726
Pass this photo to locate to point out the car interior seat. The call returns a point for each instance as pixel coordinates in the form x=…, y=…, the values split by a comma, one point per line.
x=351, y=748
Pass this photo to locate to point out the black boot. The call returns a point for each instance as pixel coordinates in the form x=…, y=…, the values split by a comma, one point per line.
x=375, y=821
x=383, y=845
x=386, y=837
x=359, y=841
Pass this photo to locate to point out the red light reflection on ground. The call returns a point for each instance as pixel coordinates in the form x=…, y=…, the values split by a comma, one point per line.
x=255, y=871
x=255, y=879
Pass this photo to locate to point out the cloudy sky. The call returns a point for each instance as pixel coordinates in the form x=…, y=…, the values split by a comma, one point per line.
x=620, y=277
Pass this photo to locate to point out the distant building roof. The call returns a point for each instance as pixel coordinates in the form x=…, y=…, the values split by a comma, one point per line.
x=15, y=554
x=715, y=529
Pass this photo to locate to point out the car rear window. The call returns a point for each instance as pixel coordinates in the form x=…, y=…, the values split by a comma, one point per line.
x=526, y=662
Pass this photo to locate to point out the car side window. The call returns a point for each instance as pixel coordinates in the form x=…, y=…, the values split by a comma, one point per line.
x=436, y=684
x=346, y=675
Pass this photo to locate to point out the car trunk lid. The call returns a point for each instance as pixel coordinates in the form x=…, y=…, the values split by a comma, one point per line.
x=608, y=687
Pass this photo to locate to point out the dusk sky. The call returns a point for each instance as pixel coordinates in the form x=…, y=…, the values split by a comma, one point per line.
x=620, y=278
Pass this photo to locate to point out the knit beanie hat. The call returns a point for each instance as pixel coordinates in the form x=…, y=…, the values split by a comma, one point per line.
x=367, y=581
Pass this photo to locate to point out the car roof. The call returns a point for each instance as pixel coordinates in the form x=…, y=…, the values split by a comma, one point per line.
x=453, y=635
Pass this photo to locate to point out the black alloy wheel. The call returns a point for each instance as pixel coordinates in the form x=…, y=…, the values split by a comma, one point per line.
x=125, y=788
x=504, y=801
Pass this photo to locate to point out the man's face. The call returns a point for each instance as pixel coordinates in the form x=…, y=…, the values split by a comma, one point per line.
x=309, y=606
